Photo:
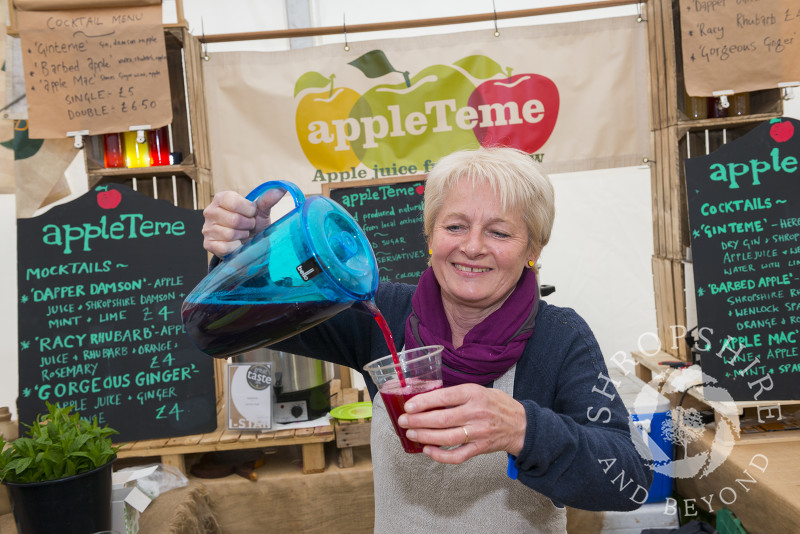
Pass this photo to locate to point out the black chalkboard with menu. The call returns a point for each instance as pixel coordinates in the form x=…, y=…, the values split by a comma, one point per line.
x=744, y=212
x=101, y=281
x=389, y=211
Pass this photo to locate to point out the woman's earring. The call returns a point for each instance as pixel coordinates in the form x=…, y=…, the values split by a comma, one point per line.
x=531, y=263
x=430, y=252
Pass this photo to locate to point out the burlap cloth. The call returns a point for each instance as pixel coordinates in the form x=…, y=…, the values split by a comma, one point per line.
x=187, y=510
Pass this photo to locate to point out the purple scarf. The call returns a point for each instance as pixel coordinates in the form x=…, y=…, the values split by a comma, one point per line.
x=490, y=348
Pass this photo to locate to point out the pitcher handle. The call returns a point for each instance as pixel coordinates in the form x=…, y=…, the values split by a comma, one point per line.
x=252, y=196
x=289, y=187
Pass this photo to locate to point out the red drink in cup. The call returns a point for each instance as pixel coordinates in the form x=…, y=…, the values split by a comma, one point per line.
x=420, y=370
x=395, y=396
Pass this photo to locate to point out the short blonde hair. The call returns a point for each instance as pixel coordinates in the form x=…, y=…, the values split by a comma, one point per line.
x=512, y=174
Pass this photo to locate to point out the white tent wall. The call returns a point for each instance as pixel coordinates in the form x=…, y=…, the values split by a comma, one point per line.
x=599, y=256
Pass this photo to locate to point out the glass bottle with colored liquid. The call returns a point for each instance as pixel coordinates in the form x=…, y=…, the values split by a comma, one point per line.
x=158, y=141
x=716, y=109
x=137, y=152
x=739, y=104
x=696, y=107
x=112, y=150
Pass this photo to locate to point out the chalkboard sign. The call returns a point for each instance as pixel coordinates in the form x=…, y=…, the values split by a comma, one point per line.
x=744, y=212
x=389, y=211
x=101, y=281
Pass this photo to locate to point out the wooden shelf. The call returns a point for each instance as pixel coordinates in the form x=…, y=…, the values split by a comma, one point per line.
x=95, y=176
x=685, y=125
x=647, y=367
x=173, y=451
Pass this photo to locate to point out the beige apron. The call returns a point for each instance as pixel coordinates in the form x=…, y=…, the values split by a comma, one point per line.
x=414, y=494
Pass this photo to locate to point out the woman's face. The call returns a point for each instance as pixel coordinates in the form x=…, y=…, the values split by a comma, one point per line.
x=479, y=250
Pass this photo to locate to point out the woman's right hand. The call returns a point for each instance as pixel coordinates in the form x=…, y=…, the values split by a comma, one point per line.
x=231, y=220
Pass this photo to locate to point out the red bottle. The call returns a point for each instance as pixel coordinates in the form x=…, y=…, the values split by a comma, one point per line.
x=112, y=150
x=159, y=146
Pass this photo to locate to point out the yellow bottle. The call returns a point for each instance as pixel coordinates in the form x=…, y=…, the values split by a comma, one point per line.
x=696, y=107
x=136, y=154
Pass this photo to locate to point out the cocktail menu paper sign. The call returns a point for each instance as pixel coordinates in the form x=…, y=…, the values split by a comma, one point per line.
x=94, y=71
x=744, y=215
x=739, y=46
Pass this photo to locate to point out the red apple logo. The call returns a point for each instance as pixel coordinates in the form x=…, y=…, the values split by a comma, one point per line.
x=529, y=107
x=109, y=199
x=781, y=131
x=420, y=189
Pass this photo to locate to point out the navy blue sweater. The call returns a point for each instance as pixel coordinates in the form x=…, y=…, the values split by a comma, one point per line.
x=579, y=448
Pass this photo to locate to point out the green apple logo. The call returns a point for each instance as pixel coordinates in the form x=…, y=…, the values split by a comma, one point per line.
x=413, y=121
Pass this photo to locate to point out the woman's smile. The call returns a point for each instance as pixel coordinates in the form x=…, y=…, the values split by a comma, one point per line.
x=468, y=269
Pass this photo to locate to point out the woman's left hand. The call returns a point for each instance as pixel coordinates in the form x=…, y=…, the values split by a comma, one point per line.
x=479, y=419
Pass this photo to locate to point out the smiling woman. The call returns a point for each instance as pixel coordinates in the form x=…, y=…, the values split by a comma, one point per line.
x=518, y=374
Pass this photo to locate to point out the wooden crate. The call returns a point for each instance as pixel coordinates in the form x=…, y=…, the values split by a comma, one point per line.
x=349, y=434
x=173, y=451
x=674, y=138
x=670, y=300
x=189, y=127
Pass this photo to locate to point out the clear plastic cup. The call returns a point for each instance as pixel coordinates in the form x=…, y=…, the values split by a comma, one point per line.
x=419, y=371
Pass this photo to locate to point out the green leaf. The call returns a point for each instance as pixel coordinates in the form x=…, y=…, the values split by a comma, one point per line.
x=312, y=80
x=481, y=67
x=21, y=464
x=80, y=442
x=24, y=147
x=373, y=64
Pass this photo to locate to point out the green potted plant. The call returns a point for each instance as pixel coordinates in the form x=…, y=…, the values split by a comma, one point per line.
x=58, y=476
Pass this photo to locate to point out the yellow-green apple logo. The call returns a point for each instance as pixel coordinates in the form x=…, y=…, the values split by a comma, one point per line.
x=473, y=102
x=321, y=122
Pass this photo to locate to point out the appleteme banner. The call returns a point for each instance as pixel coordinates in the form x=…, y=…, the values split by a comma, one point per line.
x=574, y=96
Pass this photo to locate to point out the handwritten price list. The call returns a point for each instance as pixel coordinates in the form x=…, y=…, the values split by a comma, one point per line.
x=739, y=45
x=744, y=212
x=95, y=71
x=101, y=282
x=390, y=214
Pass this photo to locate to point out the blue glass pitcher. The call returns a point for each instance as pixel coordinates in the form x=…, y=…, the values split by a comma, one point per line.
x=301, y=270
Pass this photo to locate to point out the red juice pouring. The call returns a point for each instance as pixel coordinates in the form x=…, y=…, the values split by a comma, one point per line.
x=387, y=335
